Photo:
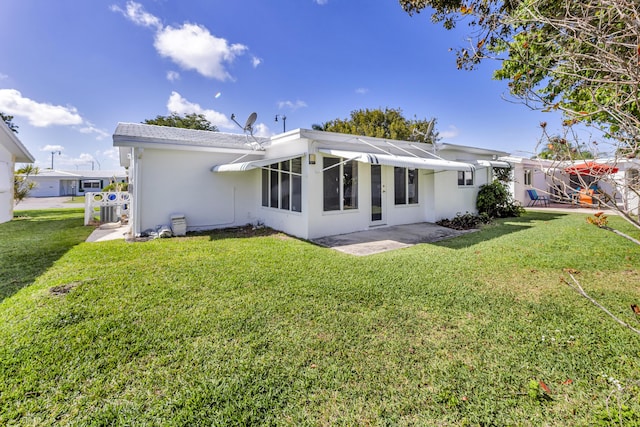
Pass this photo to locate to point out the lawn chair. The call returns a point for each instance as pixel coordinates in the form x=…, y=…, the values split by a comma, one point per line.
x=535, y=198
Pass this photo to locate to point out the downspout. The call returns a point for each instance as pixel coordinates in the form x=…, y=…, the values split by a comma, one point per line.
x=136, y=162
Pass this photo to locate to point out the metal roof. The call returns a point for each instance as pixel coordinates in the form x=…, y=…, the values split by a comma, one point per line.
x=143, y=135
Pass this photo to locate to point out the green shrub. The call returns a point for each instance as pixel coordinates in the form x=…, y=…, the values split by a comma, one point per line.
x=495, y=201
x=464, y=222
x=119, y=186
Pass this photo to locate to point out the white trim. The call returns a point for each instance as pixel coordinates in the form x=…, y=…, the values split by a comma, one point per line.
x=400, y=161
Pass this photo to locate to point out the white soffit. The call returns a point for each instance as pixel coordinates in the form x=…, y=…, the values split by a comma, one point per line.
x=253, y=164
x=400, y=161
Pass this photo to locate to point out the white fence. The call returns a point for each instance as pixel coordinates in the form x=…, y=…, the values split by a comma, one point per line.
x=107, y=206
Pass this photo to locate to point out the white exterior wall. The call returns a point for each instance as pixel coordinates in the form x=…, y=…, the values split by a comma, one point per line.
x=46, y=187
x=6, y=185
x=181, y=182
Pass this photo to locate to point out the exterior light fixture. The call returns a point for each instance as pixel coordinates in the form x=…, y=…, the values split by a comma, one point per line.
x=284, y=122
x=312, y=159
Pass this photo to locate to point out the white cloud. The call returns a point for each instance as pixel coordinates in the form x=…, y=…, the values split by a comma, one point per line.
x=173, y=76
x=362, y=90
x=256, y=61
x=180, y=105
x=190, y=46
x=262, y=130
x=321, y=2
x=291, y=105
x=52, y=148
x=3, y=76
x=90, y=128
x=135, y=13
x=38, y=114
x=193, y=47
x=451, y=132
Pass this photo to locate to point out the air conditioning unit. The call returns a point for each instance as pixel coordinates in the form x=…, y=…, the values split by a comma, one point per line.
x=178, y=225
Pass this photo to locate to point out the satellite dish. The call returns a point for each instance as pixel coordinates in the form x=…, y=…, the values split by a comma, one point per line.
x=430, y=129
x=250, y=121
x=248, y=127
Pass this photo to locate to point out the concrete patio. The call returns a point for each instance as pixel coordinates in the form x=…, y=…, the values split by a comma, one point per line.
x=384, y=239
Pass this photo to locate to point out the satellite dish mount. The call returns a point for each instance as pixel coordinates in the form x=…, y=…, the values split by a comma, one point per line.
x=248, y=126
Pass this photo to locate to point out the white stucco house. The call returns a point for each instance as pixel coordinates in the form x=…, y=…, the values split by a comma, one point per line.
x=55, y=183
x=305, y=183
x=11, y=152
x=559, y=179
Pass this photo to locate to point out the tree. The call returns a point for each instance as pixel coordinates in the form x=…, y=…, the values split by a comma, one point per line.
x=22, y=186
x=581, y=58
x=9, y=121
x=388, y=123
x=188, y=121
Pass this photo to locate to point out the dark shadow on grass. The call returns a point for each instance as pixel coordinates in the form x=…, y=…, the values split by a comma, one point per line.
x=237, y=232
x=499, y=228
x=33, y=241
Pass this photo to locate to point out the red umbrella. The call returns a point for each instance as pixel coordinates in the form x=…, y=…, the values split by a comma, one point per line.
x=591, y=168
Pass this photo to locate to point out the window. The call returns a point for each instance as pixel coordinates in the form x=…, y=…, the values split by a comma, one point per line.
x=528, y=173
x=465, y=178
x=90, y=184
x=340, y=184
x=633, y=179
x=282, y=185
x=405, y=182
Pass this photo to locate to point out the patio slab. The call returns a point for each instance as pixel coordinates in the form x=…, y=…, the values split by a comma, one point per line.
x=382, y=239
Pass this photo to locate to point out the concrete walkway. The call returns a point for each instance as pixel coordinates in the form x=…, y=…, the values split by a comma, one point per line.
x=110, y=231
x=384, y=239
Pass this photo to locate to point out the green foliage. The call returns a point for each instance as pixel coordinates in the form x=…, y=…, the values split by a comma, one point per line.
x=559, y=149
x=466, y=221
x=117, y=186
x=388, y=123
x=496, y=202
x=22, y=186
x=9, y=121
x=578, y=58
x=188, y=121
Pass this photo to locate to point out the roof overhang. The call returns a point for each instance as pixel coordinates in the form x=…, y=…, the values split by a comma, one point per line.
x=493, y=164
x=14, y=146
x=400, y=161
x=253, y=164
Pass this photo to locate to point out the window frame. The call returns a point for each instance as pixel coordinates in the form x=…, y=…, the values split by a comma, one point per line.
x=405, y=198
x=343, y=177
x=466, y=182
x=275, y=177
x=528, y=176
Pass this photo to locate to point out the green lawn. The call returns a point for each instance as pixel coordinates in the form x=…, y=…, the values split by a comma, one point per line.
x=237, y=329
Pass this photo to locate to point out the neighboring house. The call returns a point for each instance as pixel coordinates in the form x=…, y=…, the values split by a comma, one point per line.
x=305, y=183
x=55, y=183
x=558, y=179
x=11, y=152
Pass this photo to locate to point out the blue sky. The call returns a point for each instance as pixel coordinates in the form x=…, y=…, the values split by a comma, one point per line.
x=70, y=70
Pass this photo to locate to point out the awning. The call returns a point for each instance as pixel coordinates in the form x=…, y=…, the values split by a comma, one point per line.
x=253, y=164
x=400, y=161
x=493, y=164
x=591, y=169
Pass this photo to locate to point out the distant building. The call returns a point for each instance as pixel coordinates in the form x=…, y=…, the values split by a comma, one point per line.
x=55, y=183
x=11, y=152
